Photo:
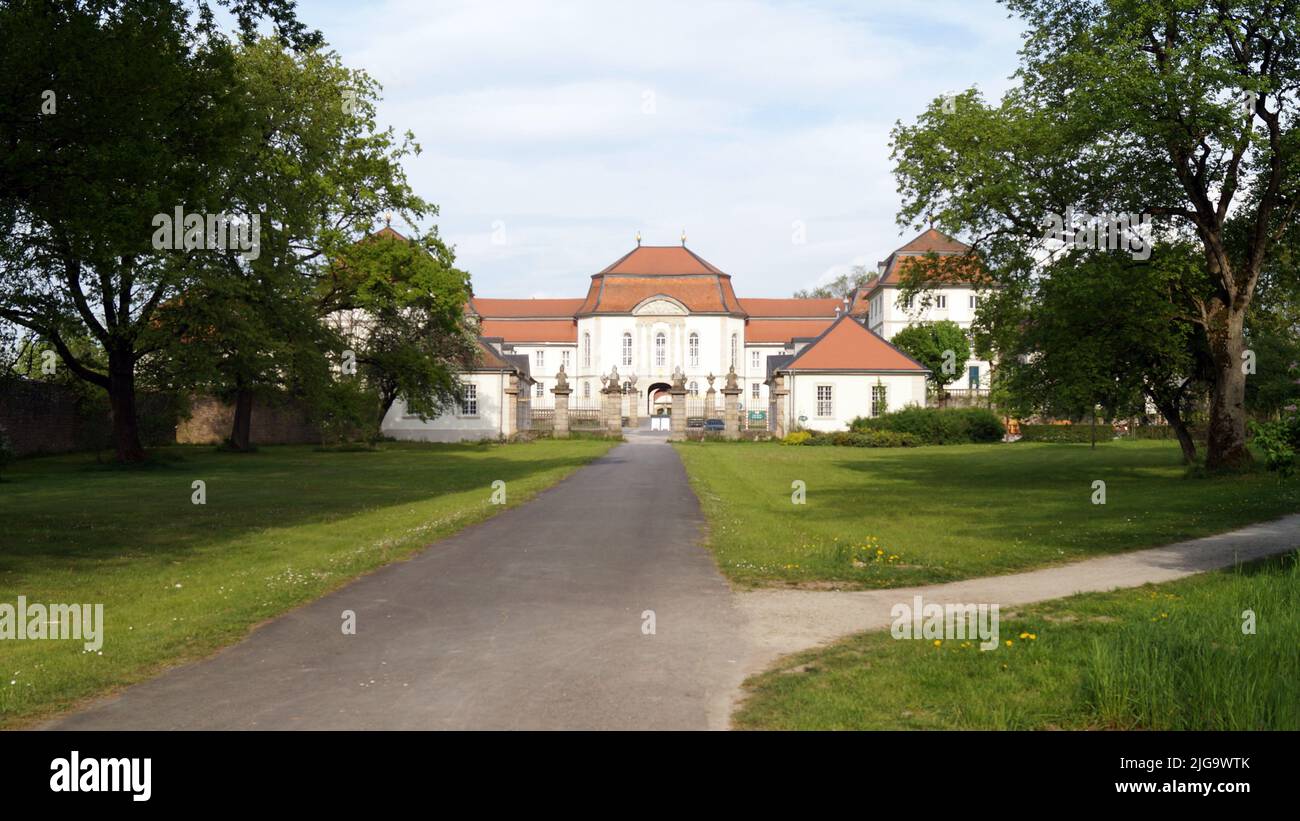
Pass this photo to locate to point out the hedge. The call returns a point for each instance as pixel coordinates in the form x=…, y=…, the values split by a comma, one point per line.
x=1064, y=433
x=861, y=439
x=937, y=426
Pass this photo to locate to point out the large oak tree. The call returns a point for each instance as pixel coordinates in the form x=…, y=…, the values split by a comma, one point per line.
x=1181, y=110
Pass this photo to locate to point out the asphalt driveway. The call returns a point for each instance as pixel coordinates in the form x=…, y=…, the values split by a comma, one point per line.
x=532, y=619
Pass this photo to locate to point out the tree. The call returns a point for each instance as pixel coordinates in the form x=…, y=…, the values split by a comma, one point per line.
x=317, y=172
x=1104, y=331
x=1176, y=110
x=941, y=346
x=111, y=113
x=843, y=286
x=405, y=320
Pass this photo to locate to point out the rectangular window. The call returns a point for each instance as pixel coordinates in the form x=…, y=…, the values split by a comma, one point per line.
x=825, y=405
x=469, y=400
x=974, y=302
x=756, y=389
x=564, y=360
x=755, y=359
x=586, y=350
x=695, y=350
x=941, y=301
x=540, y=358
x=910, y=301
x=541, y=391
x=879, y=400
x=627, y=349
x=973, y=376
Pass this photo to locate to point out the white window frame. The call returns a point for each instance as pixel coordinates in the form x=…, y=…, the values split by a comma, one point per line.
x=469, y=400
x=693, y=389
x=586, y=349
x=734, y=350
x=756, y=359
x=941, y=300
x=879, y=398
x=566, y=360
x=627, y=349
x=541, y=390
x=826, y=403
x=756, y=391
x=586, y=389
x=539, y=357
x=661, y=350
x=974, y=302
x=694, y=349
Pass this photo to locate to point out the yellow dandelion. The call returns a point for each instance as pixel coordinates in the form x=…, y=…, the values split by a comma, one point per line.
x=1010, y=642
x=1024, y=635
x=938, y=642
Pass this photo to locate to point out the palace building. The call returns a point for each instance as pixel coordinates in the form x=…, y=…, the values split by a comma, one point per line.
x=660, y=310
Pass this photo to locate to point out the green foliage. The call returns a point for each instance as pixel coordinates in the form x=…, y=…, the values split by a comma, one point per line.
x=1063, y=433
x=941, y=346
x=796, y=437
x=344, y=411
x=866, y=439
x=1280, y=442
x=937, y=426
x=844, y=285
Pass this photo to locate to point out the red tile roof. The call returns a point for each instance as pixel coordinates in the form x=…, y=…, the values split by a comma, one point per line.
x=848, y=346
x=790, y=308
x=783, y=330
x=661, y=259
x=531, y=330
x=955, y=264
x=530, y=308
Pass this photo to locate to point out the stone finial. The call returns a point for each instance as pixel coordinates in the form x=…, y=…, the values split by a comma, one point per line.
x=561, y=381
x=710, y=377
x=732, y=383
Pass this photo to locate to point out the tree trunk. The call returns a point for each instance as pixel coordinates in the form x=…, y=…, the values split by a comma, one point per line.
x=121, y=399
x=1170, y=411
x=241, y=430
x=1226, y=444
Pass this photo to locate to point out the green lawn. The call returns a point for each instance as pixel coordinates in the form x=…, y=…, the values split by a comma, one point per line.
x=887, y=517
x=280, y=527
x=1160, y=657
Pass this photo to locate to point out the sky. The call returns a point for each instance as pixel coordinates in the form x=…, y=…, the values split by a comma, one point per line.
x=553, y=132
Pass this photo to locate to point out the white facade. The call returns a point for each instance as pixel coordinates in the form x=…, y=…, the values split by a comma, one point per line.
x=479, y=414
x=888, y=314
x=829, y=402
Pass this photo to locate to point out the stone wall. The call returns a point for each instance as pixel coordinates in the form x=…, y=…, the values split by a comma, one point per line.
x=273, y=423
x=50, y=417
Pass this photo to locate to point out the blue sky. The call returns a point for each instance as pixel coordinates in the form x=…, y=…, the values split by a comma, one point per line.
x=553, y=132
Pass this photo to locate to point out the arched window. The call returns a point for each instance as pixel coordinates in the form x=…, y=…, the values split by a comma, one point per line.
x=586, y=350
x=627, y=349
x=661, y=349
x=586, y=390
x=734, y=342
x=694, y=389
x=695, y=349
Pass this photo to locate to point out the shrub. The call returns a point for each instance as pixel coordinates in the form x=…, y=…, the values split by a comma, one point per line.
x=937, y=426
x=865, y=439
x=1064, y=433
x=797, y=437
x=1280, y=442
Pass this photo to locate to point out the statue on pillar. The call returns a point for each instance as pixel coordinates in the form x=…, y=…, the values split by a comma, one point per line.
x=732, y=383
x=561, y=381
x=679, y=379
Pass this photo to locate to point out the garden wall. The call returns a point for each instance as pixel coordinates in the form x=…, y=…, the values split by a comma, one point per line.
x=50, y=417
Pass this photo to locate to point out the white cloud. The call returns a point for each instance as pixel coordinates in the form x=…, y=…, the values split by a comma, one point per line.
x=535, y=115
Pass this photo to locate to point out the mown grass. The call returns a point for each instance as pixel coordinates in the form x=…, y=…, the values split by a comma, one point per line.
x=1159, y=657
x=280, y=527
x=888, y=517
